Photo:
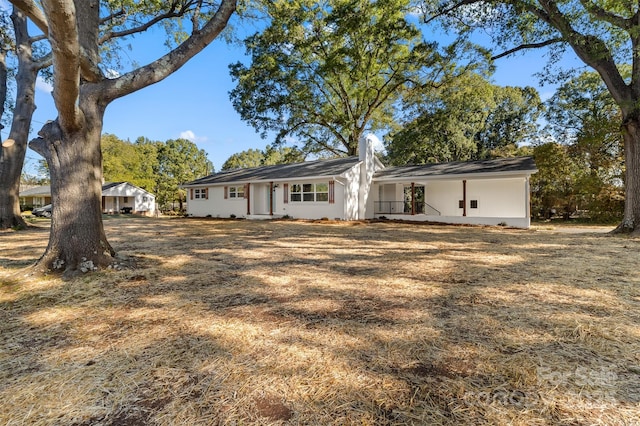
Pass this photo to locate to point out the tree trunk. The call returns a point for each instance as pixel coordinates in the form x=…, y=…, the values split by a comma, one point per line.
x=77, y=242
x=11, y=160
x=12, y=155
x=631, y=220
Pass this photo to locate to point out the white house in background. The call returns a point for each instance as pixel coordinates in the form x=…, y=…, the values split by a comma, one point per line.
x=487, y=192
x=35, y=196
x=117, y=197
x=125, y=197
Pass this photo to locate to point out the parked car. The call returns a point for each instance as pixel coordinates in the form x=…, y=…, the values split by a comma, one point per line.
x=42, y=211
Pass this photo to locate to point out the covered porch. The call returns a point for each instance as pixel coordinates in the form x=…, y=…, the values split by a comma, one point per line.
x=403, y=198
x=481, y=201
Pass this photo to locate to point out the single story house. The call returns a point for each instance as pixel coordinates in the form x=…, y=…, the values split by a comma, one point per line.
x=35, y=196
x=490, y=192
x=126, y=197
x=117, y=197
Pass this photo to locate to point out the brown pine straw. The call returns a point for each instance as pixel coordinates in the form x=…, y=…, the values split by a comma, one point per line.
x=299, y=322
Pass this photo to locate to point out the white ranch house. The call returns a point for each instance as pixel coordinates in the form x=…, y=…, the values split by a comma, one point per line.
x=490, y=192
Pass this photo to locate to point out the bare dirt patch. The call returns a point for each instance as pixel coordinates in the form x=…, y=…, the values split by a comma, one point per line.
x=290, y=322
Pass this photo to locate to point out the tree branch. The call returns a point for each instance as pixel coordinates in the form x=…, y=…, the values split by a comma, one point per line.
x=603, y=15
x=63, y=36
x=171, y=13
x=166, y=65
x=527, y=46
x=30, y=8
x=589, y=48
x=44, y=62
x=456, y=6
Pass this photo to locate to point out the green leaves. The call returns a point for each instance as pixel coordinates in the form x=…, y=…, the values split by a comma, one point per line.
x=322, y=73
x=467, y=118
x=269, y=157
x=584, y=117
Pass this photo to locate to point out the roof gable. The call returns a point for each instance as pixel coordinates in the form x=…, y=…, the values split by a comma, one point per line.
x=305, y=169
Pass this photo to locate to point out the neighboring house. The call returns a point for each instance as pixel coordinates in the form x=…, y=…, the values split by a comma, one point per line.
x=488, y=192
x=117, y=197
x=125, y=197
x=35, y=196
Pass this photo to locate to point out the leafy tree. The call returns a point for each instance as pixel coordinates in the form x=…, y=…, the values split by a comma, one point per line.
x=553, y=188
x=126, y=161
x=469, y=118
x=179, y=161
x=324, y=72
x=147, y=172
x=244, y=160
x=583, y=114
x=270, y=156
x=605, y=35
x=282, y=155
x=119, y=159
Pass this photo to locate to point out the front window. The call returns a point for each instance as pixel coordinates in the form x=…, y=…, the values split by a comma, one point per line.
x=236, y=192
x=310, y=192
x=200, y=193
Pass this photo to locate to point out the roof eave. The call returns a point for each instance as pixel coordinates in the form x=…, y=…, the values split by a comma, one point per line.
x=479, y=175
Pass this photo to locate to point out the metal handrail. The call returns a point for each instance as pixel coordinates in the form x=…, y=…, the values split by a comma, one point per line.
x=404, y=207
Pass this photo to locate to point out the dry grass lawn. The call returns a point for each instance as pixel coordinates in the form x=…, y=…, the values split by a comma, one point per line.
x=288, y=322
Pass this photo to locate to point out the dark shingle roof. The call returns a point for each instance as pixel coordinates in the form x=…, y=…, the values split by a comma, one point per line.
x=282, y=171
x=108, y=185
x=340, y=165
x=499, y=165
x=36, y=191
x=46, y=189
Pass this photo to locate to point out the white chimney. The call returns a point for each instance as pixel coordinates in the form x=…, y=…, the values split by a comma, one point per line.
x=367, y=169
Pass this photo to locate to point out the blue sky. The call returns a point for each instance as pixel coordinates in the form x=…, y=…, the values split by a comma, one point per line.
x=193, y=102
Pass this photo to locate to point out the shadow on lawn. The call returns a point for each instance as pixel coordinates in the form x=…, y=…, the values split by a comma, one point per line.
x=228, y=322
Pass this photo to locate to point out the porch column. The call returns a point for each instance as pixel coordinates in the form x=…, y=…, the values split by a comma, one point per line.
x=248, y=195
x=271, y=198
x=464, y=197
x=527, y=200
x=413, y=198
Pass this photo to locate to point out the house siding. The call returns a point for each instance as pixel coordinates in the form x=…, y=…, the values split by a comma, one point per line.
x=504, y=198
x=499, y=201
x=307, y=209
x=216, y=205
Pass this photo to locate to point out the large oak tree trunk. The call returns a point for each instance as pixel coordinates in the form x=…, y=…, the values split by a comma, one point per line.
x=13, y=152
x=77, y=242
x=631, y=220
x=11, y=160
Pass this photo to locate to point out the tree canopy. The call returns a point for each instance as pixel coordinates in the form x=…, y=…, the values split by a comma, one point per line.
x=179, y=161
x=468, y=118
x=267, y=157
x=324, y=72
x=586, y=171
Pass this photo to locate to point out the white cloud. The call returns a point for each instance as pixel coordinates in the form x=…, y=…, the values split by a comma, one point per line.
x=43, y=85
x=191, y=136
x=111, y=73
